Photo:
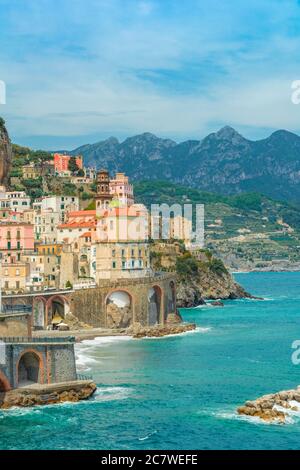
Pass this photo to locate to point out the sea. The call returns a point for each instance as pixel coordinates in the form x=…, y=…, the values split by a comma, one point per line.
x=181, y=392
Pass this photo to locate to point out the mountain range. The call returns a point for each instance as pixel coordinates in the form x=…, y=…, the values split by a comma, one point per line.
x=224, y=162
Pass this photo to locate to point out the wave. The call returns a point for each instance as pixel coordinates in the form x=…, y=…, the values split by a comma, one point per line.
x=175, y=335
x=292, y=415
x=103, y=394
x=233, y=415
x=84, y=350
x=104, y=340
x=18, y=412
x=148, y=436
x=112, y=393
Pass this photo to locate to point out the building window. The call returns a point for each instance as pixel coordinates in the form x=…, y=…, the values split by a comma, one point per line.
x=114, y=265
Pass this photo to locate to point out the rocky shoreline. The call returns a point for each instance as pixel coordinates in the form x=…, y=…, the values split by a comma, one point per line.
x=273, y=407
x=39, y=394
x=192, y=293
x=162, y=330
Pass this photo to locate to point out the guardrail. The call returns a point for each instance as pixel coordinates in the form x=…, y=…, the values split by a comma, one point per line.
x=28, y=339
x=84, y=377
x=8, y=309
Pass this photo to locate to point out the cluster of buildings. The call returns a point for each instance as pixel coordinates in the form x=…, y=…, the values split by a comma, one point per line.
x=59, y=166
x=37, y=238
x=59, y=264
x=60, y=260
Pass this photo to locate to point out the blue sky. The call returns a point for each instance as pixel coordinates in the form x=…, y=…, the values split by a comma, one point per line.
x=78, y=71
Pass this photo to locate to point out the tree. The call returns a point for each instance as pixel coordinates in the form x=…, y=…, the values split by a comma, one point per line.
x=72, y=165
x=80, y=172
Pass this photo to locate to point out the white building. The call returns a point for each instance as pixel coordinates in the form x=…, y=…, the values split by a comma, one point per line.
x=60, y=204
x=45, y=225
x=15, y=201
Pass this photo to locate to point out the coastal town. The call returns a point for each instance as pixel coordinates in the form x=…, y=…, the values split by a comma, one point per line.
x=66, y=271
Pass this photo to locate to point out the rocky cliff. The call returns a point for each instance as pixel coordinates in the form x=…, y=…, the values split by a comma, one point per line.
x=191, y=291
x=5, y=153
x=199, y=276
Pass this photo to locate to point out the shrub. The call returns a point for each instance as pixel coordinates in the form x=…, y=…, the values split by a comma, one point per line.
x=186, y=265
x=217, y=266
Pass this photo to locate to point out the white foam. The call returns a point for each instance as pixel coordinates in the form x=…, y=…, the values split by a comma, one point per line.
x=148, y=436
x=104, y=340
x=85, y=350
x=112, y=393
x=184, y=333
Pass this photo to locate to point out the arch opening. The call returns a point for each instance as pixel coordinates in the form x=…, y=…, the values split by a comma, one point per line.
x=28, y=369
x=171, y=305
x=58, y=308
x=119, y=307
x=154, y=303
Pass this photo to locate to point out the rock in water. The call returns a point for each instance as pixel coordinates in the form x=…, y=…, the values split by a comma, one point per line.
x=272, y=407
x=5, y=153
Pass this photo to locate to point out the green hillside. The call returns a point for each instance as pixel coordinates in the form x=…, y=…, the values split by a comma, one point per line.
x=247, y=231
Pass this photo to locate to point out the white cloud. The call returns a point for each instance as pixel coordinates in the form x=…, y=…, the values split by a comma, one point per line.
x=117, y=72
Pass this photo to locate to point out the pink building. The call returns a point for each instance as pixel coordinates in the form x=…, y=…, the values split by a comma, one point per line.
x=61, y=162
x=121, y=189
x=16, y=238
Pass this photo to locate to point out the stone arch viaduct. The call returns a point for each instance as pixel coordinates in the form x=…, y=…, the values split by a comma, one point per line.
x=146, y=301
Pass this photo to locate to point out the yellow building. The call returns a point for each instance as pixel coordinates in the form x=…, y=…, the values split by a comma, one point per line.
x=122, y=260
x=30, y=172
x=14, y=276
x=49, y=248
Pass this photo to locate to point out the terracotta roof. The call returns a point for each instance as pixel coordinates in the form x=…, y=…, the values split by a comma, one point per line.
x=82, y=213
x=86, y=234
x=74, y=224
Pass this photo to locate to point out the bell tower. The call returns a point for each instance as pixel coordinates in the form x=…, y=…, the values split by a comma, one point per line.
x=103, y=196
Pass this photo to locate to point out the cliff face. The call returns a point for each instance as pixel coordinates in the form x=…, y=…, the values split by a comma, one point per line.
x=5, y=153
x=191, y=291
x=204, y=277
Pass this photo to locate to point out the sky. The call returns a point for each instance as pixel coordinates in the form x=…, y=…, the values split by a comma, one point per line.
x=79, y=71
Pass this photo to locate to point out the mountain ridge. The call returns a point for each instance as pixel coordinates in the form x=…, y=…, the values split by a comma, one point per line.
x=224, y=161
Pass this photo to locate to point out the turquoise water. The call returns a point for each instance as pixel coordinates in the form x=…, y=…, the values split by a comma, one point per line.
x=180, y=392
